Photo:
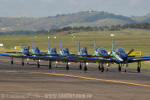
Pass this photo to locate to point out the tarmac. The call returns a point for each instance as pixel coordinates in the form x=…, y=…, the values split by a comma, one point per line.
x=27, y=82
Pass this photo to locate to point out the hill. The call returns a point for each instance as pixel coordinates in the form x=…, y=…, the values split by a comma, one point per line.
x=142, y=19
x=85, y=18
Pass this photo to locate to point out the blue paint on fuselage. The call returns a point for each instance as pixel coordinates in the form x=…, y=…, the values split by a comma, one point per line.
x=52, y=51
x=121, y=52
x=65, y=52
x=36, y=51
x=83, y=52
x=102, y=52
x=25, y=50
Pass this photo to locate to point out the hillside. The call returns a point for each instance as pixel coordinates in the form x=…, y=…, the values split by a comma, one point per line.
x=85, y=18
x=142, y=19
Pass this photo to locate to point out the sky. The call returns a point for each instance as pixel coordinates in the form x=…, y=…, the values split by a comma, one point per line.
x=44, y=8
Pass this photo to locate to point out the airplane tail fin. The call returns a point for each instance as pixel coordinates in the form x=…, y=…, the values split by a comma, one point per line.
x=95, y=48
x=113, y=46
x=79, y=48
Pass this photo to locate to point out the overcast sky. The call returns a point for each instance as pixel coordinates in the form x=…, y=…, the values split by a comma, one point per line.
x=42, y=8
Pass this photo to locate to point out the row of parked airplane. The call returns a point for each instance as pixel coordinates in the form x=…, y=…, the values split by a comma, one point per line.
x=101, y=56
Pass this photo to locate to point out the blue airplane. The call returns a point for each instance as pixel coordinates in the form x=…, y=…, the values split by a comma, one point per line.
x=82, y=51
x=23, y=50
x=101, y=52
x=35, y=50
x=65, y=53
x=122, y=58
x=119, y=56
x=52, y=51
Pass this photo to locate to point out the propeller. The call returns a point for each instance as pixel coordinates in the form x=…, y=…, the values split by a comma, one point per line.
x=130, y=51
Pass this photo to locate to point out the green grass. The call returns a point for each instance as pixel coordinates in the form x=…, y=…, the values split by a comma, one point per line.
x=127, y=39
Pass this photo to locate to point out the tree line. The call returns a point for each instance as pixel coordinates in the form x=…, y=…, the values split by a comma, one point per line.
x=70, y=29
x=103, y=28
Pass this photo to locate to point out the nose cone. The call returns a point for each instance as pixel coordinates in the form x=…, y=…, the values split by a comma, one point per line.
x=123, y=56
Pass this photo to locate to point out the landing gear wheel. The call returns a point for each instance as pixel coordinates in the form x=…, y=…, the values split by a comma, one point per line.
x=85, y=68
x=22, y=63
x=125, y=70
x=67, y=67
x=138, y=69
x=102, y=69
x=119, y=68
x=50, y=65
x=12, y=62
x=38, y=65
x=99, y=67
x=80, y=67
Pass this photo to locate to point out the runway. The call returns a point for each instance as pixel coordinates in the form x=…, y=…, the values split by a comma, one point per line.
x=29, y=82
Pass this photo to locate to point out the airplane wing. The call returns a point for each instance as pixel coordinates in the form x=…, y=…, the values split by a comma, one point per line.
x=15, y=52
x=61, y=58
x=9, y=55
x=138, y=57
x=70, y=59
x=138, y=60
x=88, y=59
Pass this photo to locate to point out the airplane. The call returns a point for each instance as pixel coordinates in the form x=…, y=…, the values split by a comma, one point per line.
x=122, y=58
x=119, y=57
x=82, y=51
x=23, y=50
x=101, y=52
x=35, y=50
x=52, y=51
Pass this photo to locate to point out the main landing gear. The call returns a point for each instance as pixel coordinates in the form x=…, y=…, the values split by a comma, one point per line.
x=22, y=61
x=38, y=63
x=67, y=66
x=139, y=67
x=101, y=67
x=12, y=61
x=50, y=64
x=80, y=66
x=119, y=67
x=85, y=67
